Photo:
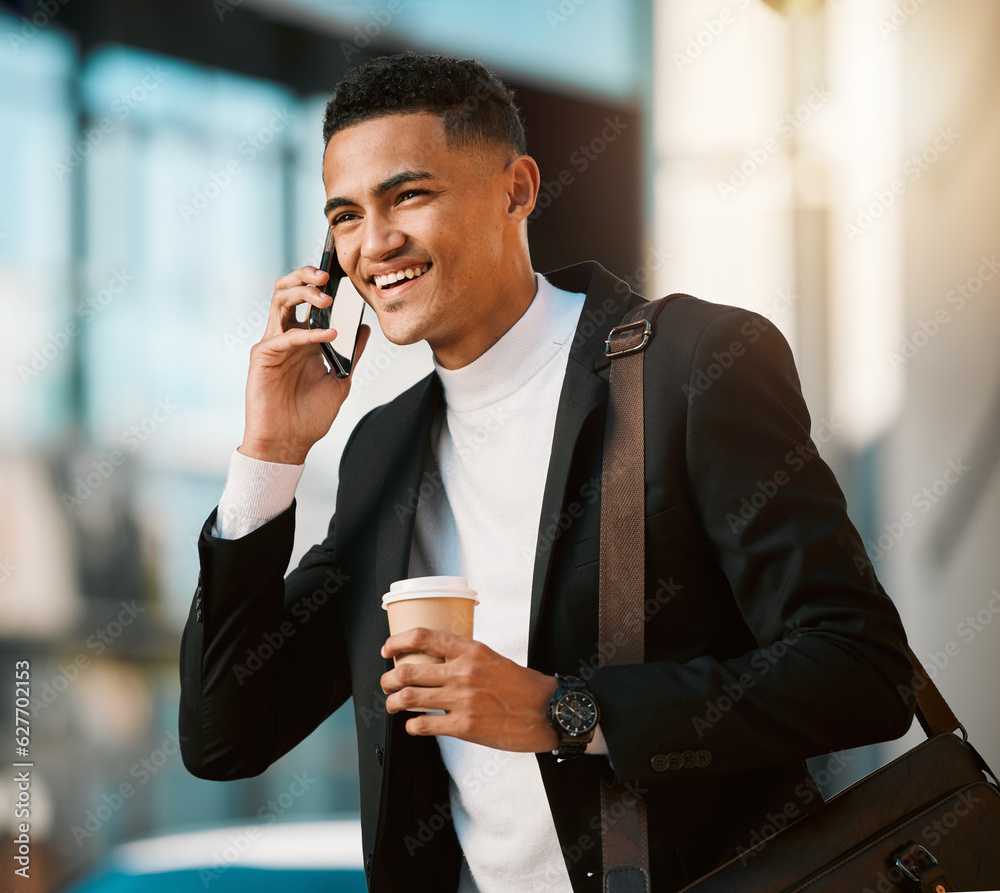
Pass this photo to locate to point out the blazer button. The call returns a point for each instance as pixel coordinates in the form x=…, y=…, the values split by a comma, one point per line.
x=659, y=762
x=378, y=753
x=674, y=760
x=368, y=864
x=703, y=758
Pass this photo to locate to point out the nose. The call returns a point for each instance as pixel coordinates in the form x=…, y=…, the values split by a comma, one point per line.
x=380, y=238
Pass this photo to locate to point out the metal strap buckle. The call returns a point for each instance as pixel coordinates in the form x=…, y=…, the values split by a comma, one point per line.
x=617, y=330
x=915, y=861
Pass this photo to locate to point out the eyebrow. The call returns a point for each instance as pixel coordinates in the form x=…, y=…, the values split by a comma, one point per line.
x=381, y=189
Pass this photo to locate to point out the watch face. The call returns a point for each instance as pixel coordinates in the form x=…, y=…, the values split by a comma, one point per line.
x=576, y=712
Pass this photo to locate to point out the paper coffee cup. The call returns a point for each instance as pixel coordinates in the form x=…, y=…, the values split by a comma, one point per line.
x=444, y=603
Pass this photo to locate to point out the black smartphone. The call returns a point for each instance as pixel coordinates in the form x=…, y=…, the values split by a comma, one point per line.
x=344, y=314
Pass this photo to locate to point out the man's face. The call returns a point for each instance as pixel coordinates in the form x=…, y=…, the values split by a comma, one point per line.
x=401, y=201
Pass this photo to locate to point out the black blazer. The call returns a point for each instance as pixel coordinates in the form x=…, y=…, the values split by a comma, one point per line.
x=768, y=637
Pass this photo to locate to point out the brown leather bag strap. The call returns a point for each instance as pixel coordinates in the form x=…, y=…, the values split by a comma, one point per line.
x=624, y=837
x=933, y=712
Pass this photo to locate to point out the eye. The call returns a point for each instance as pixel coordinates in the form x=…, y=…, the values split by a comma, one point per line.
x=343, y=218
x=411, y=193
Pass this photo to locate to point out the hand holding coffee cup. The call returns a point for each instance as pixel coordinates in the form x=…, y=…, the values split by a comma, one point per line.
x=441, y=603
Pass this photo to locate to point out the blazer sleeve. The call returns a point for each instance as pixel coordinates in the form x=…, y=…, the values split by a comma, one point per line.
x=263, y=660
x=831, y=647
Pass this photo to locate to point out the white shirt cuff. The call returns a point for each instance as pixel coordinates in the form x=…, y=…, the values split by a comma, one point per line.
x=256, y=491
x=597, y=744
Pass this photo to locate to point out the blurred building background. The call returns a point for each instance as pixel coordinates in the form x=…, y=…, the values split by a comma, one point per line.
x=829, y=165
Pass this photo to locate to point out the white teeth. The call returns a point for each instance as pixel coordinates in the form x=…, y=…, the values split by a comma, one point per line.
x=408, y=273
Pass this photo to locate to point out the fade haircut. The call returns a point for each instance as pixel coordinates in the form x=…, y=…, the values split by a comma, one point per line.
x=478, y=110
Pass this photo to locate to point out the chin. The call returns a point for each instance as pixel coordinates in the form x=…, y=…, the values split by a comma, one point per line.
x=400, y=331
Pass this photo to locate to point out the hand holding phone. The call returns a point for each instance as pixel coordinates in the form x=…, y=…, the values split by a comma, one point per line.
x=291, y=397
x=344, y=313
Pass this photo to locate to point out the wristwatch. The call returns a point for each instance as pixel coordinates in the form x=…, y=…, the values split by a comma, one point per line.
x=574, y=715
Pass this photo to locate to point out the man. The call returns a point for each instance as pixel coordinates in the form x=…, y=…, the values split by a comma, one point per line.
x=768, y=638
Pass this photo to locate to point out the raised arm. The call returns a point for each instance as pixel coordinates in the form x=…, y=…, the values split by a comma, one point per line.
x=261, y=658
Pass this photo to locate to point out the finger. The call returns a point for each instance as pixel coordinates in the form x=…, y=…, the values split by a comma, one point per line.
x=433, y=724
x=415, y=697
x=413, y=673
x=284, y=301
x=276, y=350
x=432, y=641
x=306, y=275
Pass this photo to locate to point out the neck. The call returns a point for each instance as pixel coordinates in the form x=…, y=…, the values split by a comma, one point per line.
x=505, y=307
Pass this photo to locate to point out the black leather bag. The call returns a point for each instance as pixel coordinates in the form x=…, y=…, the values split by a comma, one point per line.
x=928, y=821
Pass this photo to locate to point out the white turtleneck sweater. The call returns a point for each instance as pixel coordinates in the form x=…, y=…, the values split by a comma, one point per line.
x=492, y=448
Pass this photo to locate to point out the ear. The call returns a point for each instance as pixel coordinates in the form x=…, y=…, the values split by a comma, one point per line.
x=522, y=186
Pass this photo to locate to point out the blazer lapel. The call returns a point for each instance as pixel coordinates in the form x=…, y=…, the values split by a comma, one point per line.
x=401, y=488
x=585, y=387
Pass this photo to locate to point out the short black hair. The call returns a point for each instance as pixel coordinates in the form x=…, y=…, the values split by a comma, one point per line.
x=479, y=111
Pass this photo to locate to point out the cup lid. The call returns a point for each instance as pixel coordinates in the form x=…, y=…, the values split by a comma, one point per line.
x=429, y=587
x=429, y=583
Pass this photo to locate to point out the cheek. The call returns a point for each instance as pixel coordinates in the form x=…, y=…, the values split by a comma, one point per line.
x=348, y=250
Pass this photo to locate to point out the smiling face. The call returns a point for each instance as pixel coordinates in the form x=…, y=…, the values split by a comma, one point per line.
x=432, y=236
